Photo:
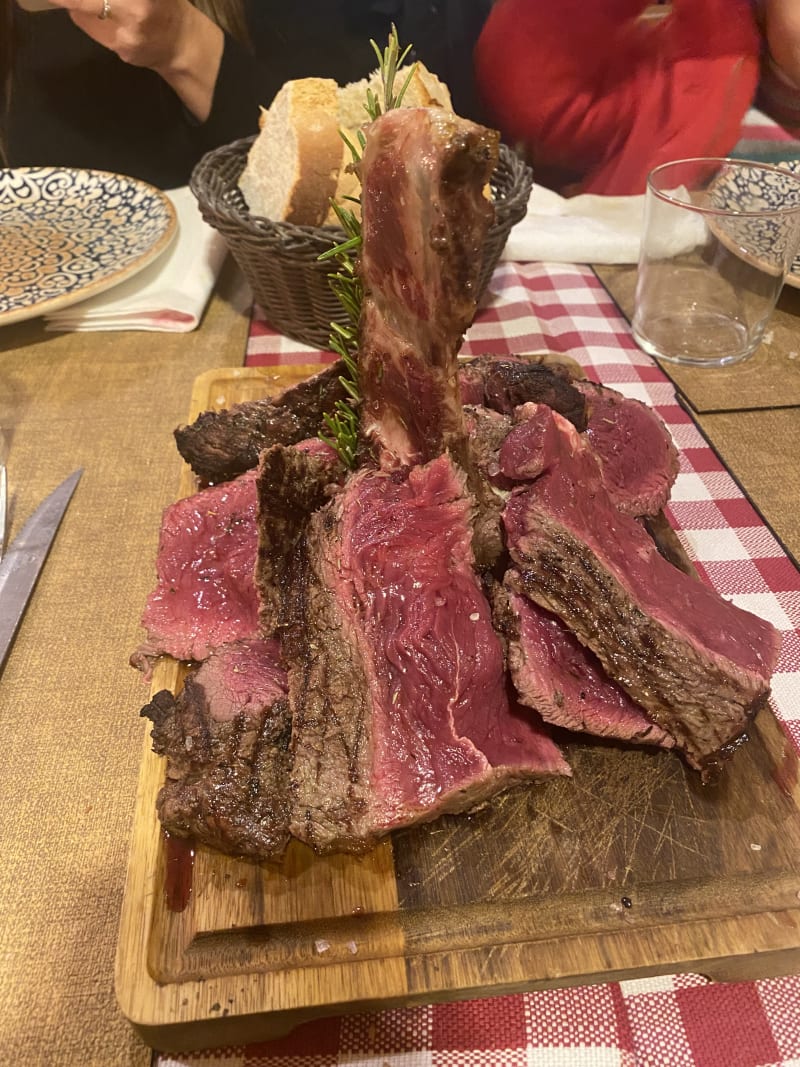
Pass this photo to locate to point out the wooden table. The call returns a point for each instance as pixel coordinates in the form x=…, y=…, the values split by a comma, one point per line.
x=71, y=751
x=107, y=402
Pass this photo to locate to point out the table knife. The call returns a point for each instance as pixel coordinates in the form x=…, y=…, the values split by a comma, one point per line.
x=25, y=558
x=3, y=507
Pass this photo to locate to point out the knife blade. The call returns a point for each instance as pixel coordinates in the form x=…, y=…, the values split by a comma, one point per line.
x=25, y=558
x=3, y=508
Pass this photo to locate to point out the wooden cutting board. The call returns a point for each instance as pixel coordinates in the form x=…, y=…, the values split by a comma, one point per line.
x=632, y=868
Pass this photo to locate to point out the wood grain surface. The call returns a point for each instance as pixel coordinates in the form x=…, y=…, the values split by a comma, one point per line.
x=70, y=759
x=632, y=868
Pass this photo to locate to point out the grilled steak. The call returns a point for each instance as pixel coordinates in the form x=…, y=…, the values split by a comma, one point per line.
x=226, y=739
x=697, y=664
x=396, y=682
x=637, y=455
x=205, y=593
x=292, y=483
x=554, y=673
x=503, y=383
x=219, y=445
x=369, y=687
x=424, y=219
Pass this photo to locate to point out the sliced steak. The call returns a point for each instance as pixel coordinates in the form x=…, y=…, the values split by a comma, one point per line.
x=397, y=686
x=698, y=665
x=637, y=454
x=424, y=219
x=226, y=739
x=503, y=383
x=554, y=673
x=219, y=445
x=292, y=483
x=486, y=432
x=205, y=592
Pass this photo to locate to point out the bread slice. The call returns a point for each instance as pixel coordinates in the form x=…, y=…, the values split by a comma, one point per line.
x=424, y=90
x=299, y=161
x=293, y=166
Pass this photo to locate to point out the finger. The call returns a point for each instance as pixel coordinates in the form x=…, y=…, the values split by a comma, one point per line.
x=82, y=9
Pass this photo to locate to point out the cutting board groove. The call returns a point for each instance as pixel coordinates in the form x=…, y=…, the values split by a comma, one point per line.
x=631, y=869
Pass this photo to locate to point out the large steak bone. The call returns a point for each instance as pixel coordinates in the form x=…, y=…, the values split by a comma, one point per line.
x=424, y=220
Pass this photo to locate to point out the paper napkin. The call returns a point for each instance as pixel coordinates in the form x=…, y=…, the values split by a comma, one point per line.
x=579, y=229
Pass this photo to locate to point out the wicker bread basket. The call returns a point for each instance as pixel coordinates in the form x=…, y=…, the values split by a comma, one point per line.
x=279, y=259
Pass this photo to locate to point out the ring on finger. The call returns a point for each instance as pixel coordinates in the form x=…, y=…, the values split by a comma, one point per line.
x=106, y=12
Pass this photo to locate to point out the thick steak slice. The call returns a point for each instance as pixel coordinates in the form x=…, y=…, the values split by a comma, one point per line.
x=637, y=455
x=291, y=484
x=226, y=739
x=205, y=593
x=400, y=710
x=554, y=673
x=328, y=691
x=698, y=665
x=424, y=219
x=219, y=445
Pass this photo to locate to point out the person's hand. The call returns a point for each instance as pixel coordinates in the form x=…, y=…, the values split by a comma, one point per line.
x=170, y=37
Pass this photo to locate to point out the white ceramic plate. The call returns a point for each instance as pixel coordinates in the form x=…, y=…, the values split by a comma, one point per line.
x=66, y=235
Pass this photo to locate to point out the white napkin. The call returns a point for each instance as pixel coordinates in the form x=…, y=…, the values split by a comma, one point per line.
x=579, y=229
x=169, y=294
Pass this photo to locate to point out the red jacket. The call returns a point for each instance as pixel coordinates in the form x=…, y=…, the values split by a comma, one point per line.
x=598, y=96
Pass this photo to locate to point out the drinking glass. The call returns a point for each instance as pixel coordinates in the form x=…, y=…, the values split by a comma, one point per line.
x=719, y=237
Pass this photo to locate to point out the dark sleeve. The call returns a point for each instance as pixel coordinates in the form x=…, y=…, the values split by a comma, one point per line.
x=443, y=35
x=238, y=94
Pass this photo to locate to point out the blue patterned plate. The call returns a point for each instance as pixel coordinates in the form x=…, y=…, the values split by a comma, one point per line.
x=793, y=277
x=66, y=235
x=762, y=188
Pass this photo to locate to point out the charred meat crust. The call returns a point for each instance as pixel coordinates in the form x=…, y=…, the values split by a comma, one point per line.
x=704, y=707
x=329, y=696
x=327, y=683
x=504, y=383
x=227, y=782
x=218, y=445
x=291, y=485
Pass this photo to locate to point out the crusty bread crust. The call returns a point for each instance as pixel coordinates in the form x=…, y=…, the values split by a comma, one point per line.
x=293, y=165
x=424, y=90
x=299, y=162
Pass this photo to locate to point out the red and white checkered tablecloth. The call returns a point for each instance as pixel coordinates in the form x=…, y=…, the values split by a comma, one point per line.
x=678, y=1021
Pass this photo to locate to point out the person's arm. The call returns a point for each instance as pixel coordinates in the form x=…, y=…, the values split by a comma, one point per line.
x=170, y=37
x=782, y=30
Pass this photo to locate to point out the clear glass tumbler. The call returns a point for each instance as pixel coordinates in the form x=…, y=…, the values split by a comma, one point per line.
x=719, y=237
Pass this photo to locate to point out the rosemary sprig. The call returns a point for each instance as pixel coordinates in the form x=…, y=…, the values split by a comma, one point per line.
x=345, y=282
x=390, y=60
